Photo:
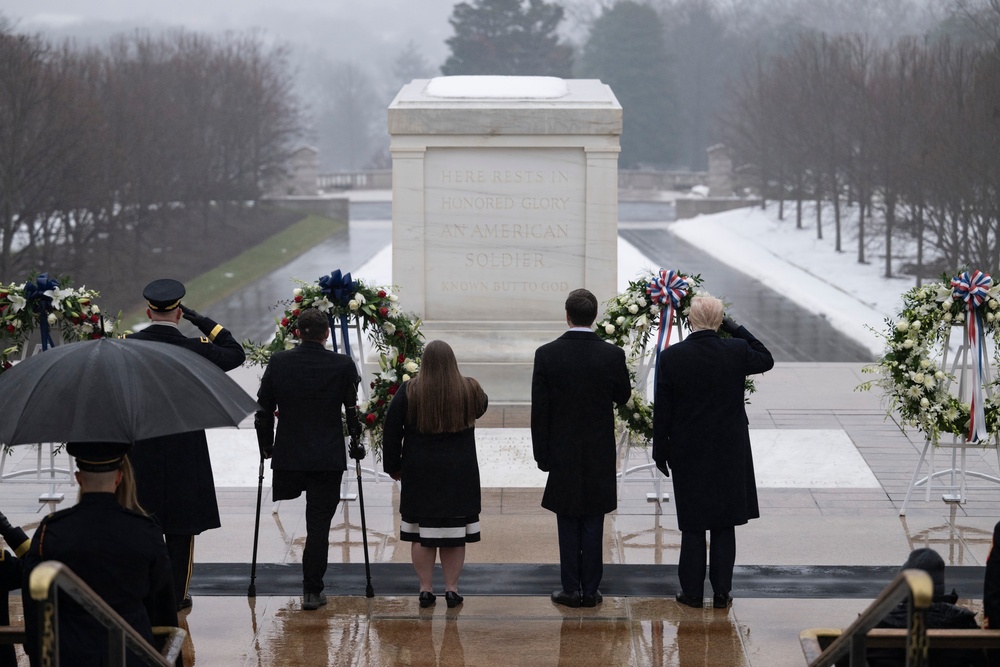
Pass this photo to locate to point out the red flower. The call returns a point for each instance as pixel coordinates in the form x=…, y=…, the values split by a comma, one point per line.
x=393, y=389
x=296, y=333
x=298, y=299
x=401, y=358
x=95, y=318
x=95, y=335
x=399, y=333
x=383, y=311
x=284, y=321
x=7, y=364
x=380, y=402
x=296, y=312
x=76, y=319
x=10, y=328
x=370, y=418
x=381, y=294
x=372, y=385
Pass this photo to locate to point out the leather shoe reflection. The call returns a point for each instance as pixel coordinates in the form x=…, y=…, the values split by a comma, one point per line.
x=566, y=599
x=690, y=600
x=592, y=600
x=313, y=601
x=721, y=601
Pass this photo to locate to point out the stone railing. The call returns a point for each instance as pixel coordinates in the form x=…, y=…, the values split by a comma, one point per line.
x=372, y=179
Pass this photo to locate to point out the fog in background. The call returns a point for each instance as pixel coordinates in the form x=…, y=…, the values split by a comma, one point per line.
x=350, y=57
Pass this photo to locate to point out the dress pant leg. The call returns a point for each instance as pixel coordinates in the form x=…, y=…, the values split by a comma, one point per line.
x=591, y=552
x=722, y=559
x=180, y=548
x=322, y=496
x=569, y=552
x=691, y=566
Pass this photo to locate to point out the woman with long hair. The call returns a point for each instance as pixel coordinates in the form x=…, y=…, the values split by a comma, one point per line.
x=429, y=445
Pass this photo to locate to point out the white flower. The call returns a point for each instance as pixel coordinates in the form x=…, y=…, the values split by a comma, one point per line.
x=916, y=325
x=990, y=317
x=914, y=391
x=960, y=317
x=951, y=414
x=947, y=317
x=640, y=302
x=353, y=305
x=620, y=320
x=994, y=304
x=57, y=295
x=642, y=322
x=323, y=304
x=389, y=327
x=289, y=343
x=918, y=378
x=17, y=302
x=924, y=403
x=633, y=309
x=360, y=298
x=939, y=375
x=389, y=375
x=636, y=416
x=52, y=319
x=95, y=309
x=929, y=382
x=86, y=327
x=609, y=328
x=405, y=377
x=908, y=343
x=925, y=363
x=393, y=298
x=410, y=366
x=902, y=326
x=297, y=291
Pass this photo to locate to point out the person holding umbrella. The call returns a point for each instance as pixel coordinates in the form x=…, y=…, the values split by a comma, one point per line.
x=307, y=387
x=119, y=553
x=174, y=472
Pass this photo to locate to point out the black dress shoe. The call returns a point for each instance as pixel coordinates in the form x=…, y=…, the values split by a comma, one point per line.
x=591, y=600
x=184, y=604
x=453, y=599
x=427, y=599
x=313, y=601
x=690, y=600
x=566, y=599
x=721, y=601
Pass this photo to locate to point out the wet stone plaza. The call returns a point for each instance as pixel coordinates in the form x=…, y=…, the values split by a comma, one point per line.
x=832, y=476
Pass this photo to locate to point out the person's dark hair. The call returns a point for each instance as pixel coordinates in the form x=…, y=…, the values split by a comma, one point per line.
x=440, y=399
x=581, y=307
x=313, y=325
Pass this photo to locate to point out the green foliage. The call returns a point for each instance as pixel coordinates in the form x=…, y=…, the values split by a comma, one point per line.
x=507, y=37
x=627, y=51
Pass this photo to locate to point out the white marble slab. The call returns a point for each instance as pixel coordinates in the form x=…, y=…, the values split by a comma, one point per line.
x=783, y=458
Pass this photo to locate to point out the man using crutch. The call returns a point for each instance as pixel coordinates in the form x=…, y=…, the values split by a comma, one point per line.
x=307, y=386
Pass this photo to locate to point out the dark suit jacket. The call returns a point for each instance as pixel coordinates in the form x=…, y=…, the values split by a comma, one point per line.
x=308, y=385
x=173, y=473
x=121, y=555
x=700, y=427
x=576, y=382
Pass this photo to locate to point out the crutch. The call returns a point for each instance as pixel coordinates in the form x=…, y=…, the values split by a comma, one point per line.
x=355, y=446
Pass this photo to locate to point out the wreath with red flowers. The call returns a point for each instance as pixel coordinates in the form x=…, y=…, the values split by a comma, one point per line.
x=393, y=333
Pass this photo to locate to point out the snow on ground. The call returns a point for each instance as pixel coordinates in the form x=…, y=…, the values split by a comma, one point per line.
x=793, y=261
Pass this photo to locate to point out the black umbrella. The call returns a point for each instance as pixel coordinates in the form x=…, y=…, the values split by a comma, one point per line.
x=116, y=390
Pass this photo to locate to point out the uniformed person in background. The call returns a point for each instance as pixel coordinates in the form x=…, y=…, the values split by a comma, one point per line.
x=174, y=472
x=119, y=553
x=10, y=578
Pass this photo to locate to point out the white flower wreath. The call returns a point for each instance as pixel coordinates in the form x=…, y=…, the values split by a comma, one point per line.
x=909, y=370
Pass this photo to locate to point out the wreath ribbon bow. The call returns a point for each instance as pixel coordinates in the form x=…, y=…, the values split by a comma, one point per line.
x=35, y=295
x=666, y=291
x=973, y=289
x=339, y=288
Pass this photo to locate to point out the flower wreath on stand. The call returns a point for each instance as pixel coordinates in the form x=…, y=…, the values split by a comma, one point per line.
x=392, y=332
x=654, y=302
x=909, y=372
x=48, y=303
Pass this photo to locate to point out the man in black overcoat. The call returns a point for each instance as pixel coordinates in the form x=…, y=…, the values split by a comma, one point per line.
x=701, y=434
x=173, y=473
x=119, y=553
x=308, y=385
x=576, y=382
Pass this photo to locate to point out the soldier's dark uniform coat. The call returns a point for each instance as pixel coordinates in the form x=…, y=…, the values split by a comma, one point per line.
x=174, y=472
x=118, y=553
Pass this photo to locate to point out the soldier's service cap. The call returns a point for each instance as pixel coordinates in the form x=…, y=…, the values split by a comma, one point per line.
x=98, y=456
x=164, y=294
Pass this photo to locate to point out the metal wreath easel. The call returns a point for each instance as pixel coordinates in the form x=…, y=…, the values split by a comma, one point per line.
x=46, y=470
x=649, y=473
x=958, y=472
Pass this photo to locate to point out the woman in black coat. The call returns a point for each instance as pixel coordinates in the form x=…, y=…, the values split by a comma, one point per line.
x=700, y=432
x=429, y=445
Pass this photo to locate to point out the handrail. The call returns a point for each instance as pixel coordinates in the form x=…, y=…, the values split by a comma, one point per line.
x=915, y=584
x=49, y=577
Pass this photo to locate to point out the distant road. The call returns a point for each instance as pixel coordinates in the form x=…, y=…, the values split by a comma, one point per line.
x=790, y=332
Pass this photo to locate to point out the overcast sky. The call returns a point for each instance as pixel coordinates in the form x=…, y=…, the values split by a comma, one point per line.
x=337, y=27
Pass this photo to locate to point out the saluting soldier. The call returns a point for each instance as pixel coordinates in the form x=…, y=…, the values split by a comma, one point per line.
x=118, y=552
x=174, y=472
